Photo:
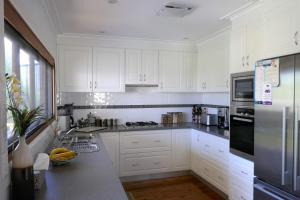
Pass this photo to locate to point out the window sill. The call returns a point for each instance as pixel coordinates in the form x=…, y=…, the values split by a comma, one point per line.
x=33, y=136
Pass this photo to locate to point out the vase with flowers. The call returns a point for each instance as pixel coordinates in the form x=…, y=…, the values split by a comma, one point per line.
x=22, y=178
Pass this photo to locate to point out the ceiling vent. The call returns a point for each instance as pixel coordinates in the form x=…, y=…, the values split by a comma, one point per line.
x=176, y=9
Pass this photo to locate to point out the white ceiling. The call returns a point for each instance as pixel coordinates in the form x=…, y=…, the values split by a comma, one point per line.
x=138, y=18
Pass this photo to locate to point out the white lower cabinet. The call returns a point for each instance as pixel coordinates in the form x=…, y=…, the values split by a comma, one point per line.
x=181, y=139
x=209, y=159
x=145, y=152
x=241, y=174
x=111, y=142
x=158, y=151
x=145, y=163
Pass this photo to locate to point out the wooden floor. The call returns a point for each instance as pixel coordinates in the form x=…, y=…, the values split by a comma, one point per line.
x=178, y=188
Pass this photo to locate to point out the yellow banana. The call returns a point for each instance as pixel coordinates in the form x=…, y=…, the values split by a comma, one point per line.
x=59, y=150
x=67, y=155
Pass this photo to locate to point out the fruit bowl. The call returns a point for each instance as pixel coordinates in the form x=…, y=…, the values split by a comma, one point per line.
x=63, y=162
x=62, y=156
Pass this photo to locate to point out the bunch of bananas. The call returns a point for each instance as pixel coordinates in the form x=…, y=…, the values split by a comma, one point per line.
x=62, y=154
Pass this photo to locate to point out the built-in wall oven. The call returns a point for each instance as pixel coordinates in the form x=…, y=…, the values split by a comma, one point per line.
x=242, y=132
x=242, y=115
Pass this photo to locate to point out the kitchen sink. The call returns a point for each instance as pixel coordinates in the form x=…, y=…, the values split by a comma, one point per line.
x=84, y=147
x=80, y=143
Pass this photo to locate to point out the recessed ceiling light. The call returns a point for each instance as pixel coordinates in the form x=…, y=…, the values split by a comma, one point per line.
x=112, y=1
x=101, y=32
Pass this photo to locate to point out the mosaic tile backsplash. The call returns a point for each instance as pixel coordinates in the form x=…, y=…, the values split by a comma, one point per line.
x=138, y=96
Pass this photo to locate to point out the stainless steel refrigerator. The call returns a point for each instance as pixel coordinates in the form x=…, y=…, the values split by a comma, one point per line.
x=276, y=137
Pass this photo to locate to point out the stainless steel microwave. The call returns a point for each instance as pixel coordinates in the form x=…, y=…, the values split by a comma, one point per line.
x=242, y=88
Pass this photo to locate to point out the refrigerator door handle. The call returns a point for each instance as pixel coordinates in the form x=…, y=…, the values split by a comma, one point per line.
x=296, y=148
x=242, y=119
x=283, y=146
x=269, y=192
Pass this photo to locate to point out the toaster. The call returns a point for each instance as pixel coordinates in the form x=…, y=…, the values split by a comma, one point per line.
x=209, y=119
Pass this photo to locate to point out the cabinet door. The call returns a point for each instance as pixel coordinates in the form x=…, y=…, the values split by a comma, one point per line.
x=108, y=70
x=170, y=63
x=253, y=37
x=237, y=48
x=279, y=18
x=133, y=66
x=181, y=149
x=218, y=82
x=75, y=65
x=214, y=64
x=111, y=143
x=202, y=70
x=195, y=153
x=296, y=36
x=188, y=72
x=150, y=67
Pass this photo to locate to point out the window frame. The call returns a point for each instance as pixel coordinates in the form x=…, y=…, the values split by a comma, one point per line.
x=14, y=19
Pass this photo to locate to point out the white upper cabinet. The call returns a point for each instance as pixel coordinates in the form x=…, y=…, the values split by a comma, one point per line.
x=133, y=66
x=188, y=72
x=150, y=67
x=177, y=71
x=237, y=58
x=108, y=70
x=141, y=67
x=75, y=66
x=170, y=64
x=213, y=64
x=246, y=41
x=281, y=26
x=86, y=69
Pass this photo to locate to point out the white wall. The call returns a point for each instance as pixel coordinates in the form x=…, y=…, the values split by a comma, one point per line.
x=4, y=172
x=216, y=98
x=35, y=15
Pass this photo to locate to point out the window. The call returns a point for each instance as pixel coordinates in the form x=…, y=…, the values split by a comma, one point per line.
x=35, y=75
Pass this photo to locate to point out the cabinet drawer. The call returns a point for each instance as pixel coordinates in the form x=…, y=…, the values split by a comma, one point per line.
x=235, y=160
x=145, y=163
x=215, y=176
x=145, y=141
x=240, y=182
x=238, y=194
x=242, y=172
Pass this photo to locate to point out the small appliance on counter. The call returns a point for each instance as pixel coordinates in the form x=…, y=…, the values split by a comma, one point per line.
x=196, y=114
x=64, y=122
x=223, y=118
x=209, y=119
x=65, y=118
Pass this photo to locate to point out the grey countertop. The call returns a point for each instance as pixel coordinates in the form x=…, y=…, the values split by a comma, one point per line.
x=213, y=130
x=90, y=176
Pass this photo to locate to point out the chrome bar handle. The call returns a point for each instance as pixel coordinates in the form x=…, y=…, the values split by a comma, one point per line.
x=296, y=148
x=283, y=145
x=243, y=61
x=247, y=60
x=296, y=38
